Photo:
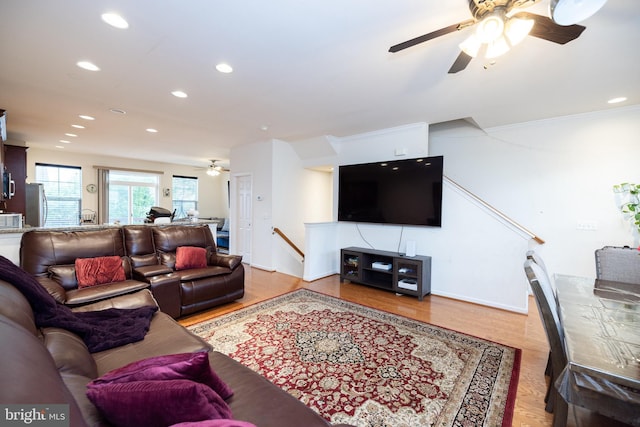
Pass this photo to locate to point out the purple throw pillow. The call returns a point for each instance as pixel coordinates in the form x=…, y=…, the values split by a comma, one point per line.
x=187, y=366
x=216, y=423
x=157, y=403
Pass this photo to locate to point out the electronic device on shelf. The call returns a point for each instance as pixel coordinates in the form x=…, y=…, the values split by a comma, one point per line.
x=410, y=284
x=381, y=266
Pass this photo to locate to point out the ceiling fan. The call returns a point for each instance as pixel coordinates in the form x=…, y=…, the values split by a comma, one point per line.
x=499, y=26
x=215, y=169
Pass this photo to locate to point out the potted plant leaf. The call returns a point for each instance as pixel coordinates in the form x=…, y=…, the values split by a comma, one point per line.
x=630, y=207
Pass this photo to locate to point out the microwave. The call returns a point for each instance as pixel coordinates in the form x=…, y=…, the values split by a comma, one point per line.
x=10, y=220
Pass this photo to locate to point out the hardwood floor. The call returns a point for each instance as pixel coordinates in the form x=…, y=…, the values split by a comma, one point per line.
x=516, y=330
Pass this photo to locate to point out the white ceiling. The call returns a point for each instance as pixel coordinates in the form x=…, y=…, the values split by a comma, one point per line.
x=301, y=68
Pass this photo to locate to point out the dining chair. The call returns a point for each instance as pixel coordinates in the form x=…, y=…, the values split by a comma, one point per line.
x=548, y=309
x=548, y=371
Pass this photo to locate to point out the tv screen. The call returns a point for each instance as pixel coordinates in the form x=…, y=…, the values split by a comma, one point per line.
x=404, y=192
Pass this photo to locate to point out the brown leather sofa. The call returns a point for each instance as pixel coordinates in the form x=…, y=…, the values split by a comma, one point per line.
x=53, y=365
x=221, y=281
x=148, y=258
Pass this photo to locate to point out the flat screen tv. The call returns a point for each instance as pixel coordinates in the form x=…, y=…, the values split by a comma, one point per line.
x=404, y=192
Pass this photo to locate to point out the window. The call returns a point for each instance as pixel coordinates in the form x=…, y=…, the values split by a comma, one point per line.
x=185, y=194
x=131, y=195
x=63, y=191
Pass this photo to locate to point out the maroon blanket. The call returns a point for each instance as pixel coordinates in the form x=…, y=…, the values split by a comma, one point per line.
x=100, y=330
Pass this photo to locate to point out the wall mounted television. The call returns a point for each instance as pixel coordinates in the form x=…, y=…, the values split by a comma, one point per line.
x=403, y=192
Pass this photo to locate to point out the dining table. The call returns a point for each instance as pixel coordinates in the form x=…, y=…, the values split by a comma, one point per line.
x=600, y=322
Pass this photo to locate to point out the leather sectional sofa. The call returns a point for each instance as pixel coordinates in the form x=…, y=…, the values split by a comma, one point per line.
x=148, y=255
x=52, y=365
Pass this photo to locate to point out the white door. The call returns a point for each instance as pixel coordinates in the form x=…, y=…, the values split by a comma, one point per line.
x=244, y=214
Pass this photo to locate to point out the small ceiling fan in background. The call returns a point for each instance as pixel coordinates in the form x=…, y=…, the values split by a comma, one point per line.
x=214, y=169
x=501, y=25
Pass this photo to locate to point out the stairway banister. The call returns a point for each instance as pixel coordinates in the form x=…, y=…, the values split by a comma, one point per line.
x=280, y=233
x=495, y=211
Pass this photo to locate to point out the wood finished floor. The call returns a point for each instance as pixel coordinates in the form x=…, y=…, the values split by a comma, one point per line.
x=517, y=330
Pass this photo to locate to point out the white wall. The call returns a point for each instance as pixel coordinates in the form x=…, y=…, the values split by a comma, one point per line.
x=551, y=175
x=212, y=197
x=301, y=195
x=547, y=175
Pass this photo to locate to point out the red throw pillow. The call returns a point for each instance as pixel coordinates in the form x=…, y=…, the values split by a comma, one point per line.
x=181, y=366
x=190, y=257
x=96, y=271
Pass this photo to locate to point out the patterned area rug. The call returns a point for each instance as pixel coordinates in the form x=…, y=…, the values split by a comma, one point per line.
x=361, y=366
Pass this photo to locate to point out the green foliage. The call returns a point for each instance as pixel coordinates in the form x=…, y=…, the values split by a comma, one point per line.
x=630, y=207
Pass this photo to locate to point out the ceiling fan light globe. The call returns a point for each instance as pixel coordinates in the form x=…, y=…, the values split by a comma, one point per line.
x=518, y=29
x=490, y=28
x=212, y=171
x=569, y=12
x=471, y=46
x=497, y=48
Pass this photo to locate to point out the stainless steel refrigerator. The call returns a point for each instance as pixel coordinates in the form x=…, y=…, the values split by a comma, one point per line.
x=36, y=205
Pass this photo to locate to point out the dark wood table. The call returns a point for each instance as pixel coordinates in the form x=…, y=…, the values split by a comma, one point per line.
x=601, y=326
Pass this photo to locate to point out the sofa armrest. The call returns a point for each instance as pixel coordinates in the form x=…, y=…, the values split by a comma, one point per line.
x=166, y=291
x=143, y=273
x=229, y=261
x=54, y=288
x=137, y=299
x=91, y=294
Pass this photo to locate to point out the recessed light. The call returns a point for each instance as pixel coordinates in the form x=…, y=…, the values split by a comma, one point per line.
x=85, y=117
x=77, y=126
x=264, y=128
x=86, y=65
x=617, y=100
x=64, y=141
x=179, y=94
x=73, y=135
x=117, y=111
x=224, y=68
x=152, y=130
x=115, y=20
x=59, y=146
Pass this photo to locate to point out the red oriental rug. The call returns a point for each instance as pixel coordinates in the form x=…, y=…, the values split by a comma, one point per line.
x=361, y=366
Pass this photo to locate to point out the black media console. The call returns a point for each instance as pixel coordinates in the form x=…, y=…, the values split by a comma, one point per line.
x=387, y=270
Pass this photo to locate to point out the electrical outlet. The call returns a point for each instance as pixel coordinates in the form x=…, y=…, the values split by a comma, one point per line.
x=587, y=225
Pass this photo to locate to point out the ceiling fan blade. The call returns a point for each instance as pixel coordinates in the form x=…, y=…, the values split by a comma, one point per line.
x=460, y=63
x=544, y=28
x=432, y=35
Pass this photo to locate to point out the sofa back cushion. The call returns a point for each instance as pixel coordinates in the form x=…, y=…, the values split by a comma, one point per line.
x=41, y=249
x=138, y=241
x=168, y=239
x=15, y=307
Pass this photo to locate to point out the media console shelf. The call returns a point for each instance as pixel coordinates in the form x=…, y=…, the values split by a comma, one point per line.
x=387, y=270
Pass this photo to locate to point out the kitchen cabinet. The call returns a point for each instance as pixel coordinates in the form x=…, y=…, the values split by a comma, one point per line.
x=15, y=163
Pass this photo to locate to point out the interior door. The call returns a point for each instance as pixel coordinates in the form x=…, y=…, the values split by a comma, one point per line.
x=244, y=211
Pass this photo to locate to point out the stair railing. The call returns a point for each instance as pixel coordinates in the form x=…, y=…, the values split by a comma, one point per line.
x=494, y=210
x=279, y=232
